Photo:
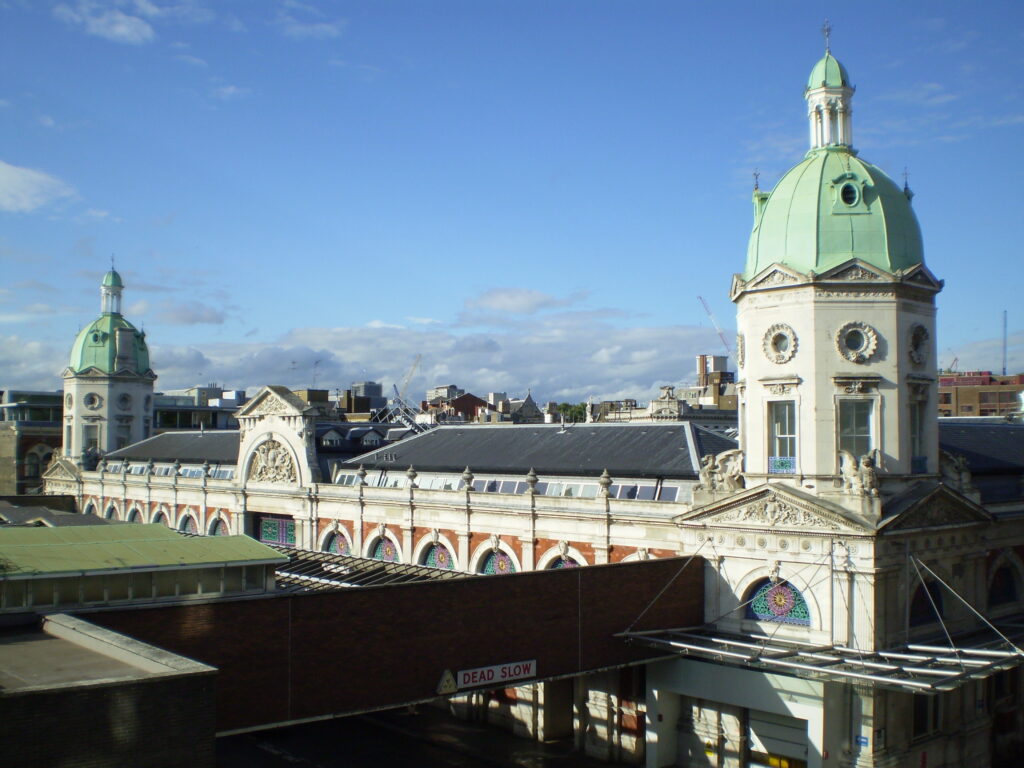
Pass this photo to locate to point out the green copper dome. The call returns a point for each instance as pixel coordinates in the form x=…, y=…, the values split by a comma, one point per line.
x=828, y=73
x=112, y=280
x=97, y=347
x=829, y=209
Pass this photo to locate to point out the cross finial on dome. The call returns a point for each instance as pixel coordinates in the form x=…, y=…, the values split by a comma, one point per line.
x=826, y=31
x=757, y=177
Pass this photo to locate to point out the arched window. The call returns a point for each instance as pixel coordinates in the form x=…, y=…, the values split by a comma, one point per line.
x=337, y=544
x=134, y=516
x=777, y=601
x=1003, y=589
x=563, y=562
x=32, y=465
x=921, y=610
x=90, y=509
x=111, y=513
x=188, y=525
x=438, y=556
x=160, y=518
x=219, y=528
x=497, y=562
x=385, y=550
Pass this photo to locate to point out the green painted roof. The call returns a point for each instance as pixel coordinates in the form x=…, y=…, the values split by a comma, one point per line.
x=30, y=552
x=828, y=73
x=806, y=224
x=96, y=346
x=112, y=280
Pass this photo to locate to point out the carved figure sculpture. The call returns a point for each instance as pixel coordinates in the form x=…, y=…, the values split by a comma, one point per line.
x=868, y=475
x=849, y=472
x=728, y=470
x=706, y=473
x=955, y=472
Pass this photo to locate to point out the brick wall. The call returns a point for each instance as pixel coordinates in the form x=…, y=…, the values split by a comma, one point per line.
x=158, y=723
x=291, y=657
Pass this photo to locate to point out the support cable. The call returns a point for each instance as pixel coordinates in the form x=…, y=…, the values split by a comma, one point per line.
x=988, y=623
x=667, y=585
x=938, y=613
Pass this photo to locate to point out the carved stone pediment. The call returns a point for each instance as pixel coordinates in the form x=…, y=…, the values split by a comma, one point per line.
x=941, y=507
x=273, y=401
x=774, y=508
x=921, y=275
x=61, y=469
x=773, y=278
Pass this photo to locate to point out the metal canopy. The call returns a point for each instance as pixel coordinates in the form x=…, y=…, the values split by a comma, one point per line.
x=913, y=668
x=310, y=571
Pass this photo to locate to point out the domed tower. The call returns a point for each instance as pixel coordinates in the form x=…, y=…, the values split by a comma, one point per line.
x=836, y=321
x=108, y=384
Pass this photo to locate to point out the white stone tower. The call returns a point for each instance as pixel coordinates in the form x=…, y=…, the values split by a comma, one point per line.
x=108, y=384
x=836, y=321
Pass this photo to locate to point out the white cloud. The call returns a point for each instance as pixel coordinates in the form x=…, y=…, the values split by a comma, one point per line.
x=518, y=301
x=46, y=121
x=230, y=92
x=193, y=60
x=26, y=189
x=382, y=324
x=301, y=21
x=107, y=22
x=190, y=313
x=423, y=321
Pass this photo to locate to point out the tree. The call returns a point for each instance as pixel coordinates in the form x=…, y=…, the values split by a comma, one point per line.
x=573, y=411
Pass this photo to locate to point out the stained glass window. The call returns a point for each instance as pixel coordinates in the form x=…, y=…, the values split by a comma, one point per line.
x=564, y=562
x=780, y=602
x=111, y=513
x=338, y=544
x=188, y=525
x=218, y=528
x=438, y=556
x=160, y=518
x=90, y=509
x=386, y=551
x=276, y=530
x=498, y=562
x=134, y=516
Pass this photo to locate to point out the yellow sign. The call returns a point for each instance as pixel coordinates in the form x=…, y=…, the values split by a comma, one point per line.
x=447, y=684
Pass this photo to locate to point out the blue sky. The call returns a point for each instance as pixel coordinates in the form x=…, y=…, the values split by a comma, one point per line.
x=531, y=195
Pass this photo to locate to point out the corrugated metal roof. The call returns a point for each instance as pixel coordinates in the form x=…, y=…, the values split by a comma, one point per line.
x=217, y=446
x=26, y=552
x=625, y=450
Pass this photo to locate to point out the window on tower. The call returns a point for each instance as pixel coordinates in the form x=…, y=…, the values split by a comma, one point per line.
x=918, y=455
x=855, y=433
x=782, y=437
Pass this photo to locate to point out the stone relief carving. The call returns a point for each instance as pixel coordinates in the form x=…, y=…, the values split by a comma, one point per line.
x=859, y=476
x=934, y=514
x=841, y=293
x=495, y=543
x=774, y=278
x=271, y=463
x=917, y=348
x=779, y=389
x=779, y=343
x=856, y=273
x=721, y=472
x=774, y=512
x=856, y=342
x=955, y=472
x=269, y=406
x=741, y=350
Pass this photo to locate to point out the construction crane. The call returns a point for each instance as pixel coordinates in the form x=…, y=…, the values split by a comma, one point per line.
x=399, y=409
x=714, y=322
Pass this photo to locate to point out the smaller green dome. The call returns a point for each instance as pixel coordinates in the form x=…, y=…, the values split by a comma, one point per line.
x=97, y=347
x=828, y=73
x=112, y=280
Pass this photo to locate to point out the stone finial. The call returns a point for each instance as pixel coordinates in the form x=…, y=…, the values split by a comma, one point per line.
x=531, y=480
x=361, y=474
x=605, y=481
x=467, y=479
x=412, y=474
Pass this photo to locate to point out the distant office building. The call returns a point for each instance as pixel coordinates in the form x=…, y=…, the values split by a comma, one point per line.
x=445, y=392
x=373, y=392
x=979, y=393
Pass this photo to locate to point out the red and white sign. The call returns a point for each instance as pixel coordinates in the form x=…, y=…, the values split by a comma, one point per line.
x=496, y=675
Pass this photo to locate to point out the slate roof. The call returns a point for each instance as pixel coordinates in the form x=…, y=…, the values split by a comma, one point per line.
x=987, y=446
x=625, y=450
x=217, y=446
x=14, y=515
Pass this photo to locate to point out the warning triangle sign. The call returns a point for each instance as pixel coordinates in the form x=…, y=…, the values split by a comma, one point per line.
x=447, y=684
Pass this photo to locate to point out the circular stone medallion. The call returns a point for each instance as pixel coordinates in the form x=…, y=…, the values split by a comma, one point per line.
x=779, y=343
x=857, y=342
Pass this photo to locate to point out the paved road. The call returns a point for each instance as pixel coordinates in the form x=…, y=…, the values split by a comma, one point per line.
x=395, y=738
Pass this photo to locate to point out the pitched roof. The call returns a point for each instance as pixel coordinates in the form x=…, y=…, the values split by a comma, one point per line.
x=987, y=446
x=625, y=450
x=217, y=446
x=28, y=552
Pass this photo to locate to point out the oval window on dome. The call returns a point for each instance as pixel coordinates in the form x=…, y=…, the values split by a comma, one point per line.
x=848, y=194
